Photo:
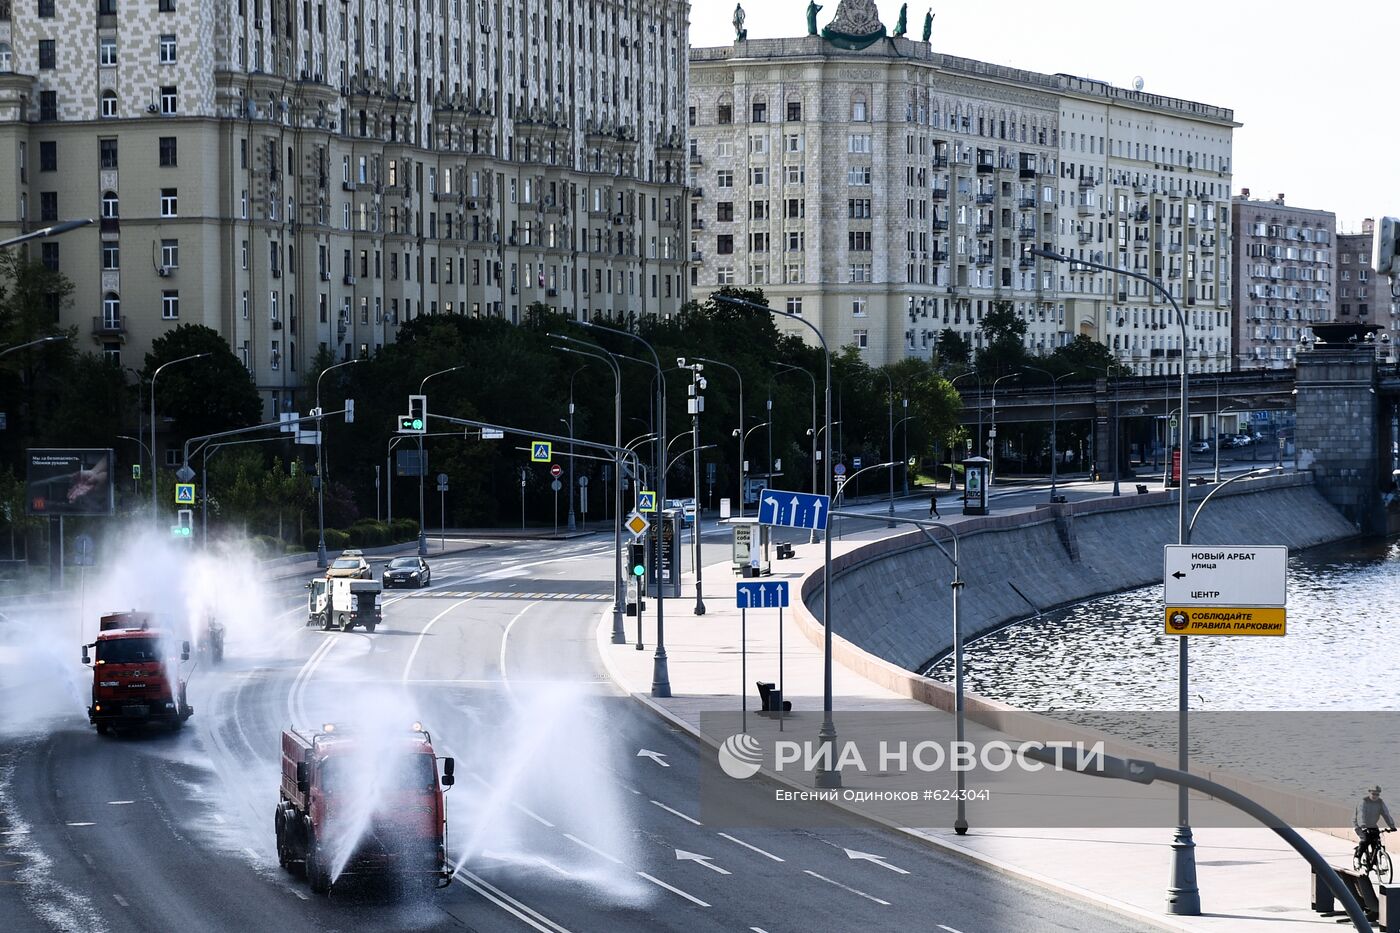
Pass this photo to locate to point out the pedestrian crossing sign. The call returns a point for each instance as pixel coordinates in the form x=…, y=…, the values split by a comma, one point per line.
x=646, y=501
x=541, y=451
x=184, y=493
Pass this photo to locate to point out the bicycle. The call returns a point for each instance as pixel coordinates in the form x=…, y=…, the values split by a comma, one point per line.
x=1371, y=857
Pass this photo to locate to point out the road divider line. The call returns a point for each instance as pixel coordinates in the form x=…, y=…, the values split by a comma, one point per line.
x=120, y=900
x=504, y=901
x=657, y=881
x=501, y=663
x=521, y=807
x=572, y=838
x=688, y=819
x=418, y=643
x=844, y=887
x=949, y=929
x=753, y=847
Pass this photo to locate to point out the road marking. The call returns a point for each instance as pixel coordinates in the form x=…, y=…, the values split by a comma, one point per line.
x=15, y=832
x=684, y=856
x=654, y=756
x=507, y=903
x=758, y=930
x=82, y=824
x=521, y=807
x=88, y=858
x=418, y=643
x=119, y=803
x=301, y=894
x=876, y=859
x=678, y=813
x=501, y=664
x=754, y=848
x=690, y=897
x=949, y=929
x=294, y=695
x=216, y=818
x=572, y=838
x=868, y=897
x=251, y=854
x=120, y=900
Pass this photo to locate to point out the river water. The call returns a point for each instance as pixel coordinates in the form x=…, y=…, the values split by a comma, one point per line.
x=1340, y=653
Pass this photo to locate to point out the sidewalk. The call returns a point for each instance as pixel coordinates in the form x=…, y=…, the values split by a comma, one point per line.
x=1249, y=879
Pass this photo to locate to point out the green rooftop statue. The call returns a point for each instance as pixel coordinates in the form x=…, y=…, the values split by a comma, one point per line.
x=902, y=26
x=928, y=25
x=740, y=33
x=813, y=8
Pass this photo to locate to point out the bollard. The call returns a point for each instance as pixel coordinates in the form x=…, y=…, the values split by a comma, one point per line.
x=1389, y=908
x=1323, y=900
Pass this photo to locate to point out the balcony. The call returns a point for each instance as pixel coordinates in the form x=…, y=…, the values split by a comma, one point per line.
x=697, y=192
x=984, y=260
x=1026, y=204
x=1174, y=222
x=347, y=186
x=1138, y=189
x=1141, y=215
x=985, y=197
x=1086, y=181
x=1027, y=171
x=1026, y=233
x=1174, y=195
x=697, y=223
x=110, y=224
x=695, y=158
x=349, y=280
x=984, y=229
x=939, y=225
x=1174, y=248
x=1140, y=244
x=105, y=326
x=940, y=161
x=1085, y=236
x=1027, y=262
x=985, y=168
x=1085, y=208
x=939, y=194
x=938, y=256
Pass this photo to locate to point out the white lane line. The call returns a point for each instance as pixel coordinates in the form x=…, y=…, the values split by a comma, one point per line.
x=120, y=900
x=418, y=643
x=15, y=832
x=301, y=894
x=82, y=824
x=507, y=903
x=752, y=847
x=868, y=897
x=521, y=807
x=758, y=930
x=118, y=803
x=501, y=664
x=683, y=856
x=294, y=695
x=949, y=929
x=688, y=819
x=216, y=818
x=572, y=838
x=88, y=858
x=690, y=897
x=251, y=854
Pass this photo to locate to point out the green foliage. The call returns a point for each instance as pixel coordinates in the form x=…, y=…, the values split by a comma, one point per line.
x=1003, y=343
x=1087, y=357
x=206, y=395
x=954, y=352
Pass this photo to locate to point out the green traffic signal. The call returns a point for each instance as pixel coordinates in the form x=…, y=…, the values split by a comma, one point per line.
x=639, y=570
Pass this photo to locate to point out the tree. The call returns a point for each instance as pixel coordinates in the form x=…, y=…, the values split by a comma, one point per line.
x=1086, y=356
x=31, y=298
x=954, y=352
x=90, y=404
x=1003, y=346
x=207, y=395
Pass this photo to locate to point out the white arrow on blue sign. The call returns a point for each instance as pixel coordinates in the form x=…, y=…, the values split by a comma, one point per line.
x=793, y=509
x=771, y=595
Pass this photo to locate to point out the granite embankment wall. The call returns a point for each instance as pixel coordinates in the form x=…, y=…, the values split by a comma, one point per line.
x=892, y=598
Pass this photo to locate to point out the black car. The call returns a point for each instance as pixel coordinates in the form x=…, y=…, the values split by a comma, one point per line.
x=407, y=571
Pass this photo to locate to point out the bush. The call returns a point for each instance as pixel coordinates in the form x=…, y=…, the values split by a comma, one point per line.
x=336, y=540
x=265, y=546
x=369, y=533
x=404, y=529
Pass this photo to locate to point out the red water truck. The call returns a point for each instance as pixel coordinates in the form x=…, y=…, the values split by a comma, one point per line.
x=336, y=819
x=136, y=677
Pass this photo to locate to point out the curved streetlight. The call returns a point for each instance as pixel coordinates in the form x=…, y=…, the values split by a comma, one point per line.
x=423, y=466
x=1054, y=422
x=890, y=404
x=52, y=230
x=992, y=453
x=1183, y=895
x=828, y=777
x=739, y=376
x=321, y=468
x=155, y=509
x=841, y=487
x=52, y=338
x=953, y=383
x=660, y=674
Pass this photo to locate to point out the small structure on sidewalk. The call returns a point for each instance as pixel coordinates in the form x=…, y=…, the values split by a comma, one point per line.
x=750, y=550
x=975, y=470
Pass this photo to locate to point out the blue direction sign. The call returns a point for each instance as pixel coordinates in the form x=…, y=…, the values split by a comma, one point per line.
x=793, y=509
x=771, y=595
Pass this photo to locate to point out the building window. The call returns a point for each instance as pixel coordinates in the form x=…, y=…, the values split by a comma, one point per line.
x=724, y=275
x=167, y=151
x=6, y=57
x=106, y=7
x=760, y=111
x=48, y=205
x=861, y=338
x=48, y=156
x=169, y=202
x=859, y=112
x=724, y=211
x=107, y=51
x=724, y=114
x=110, y=209
x=109, y=103
x=167, y=49
x=167, y=6
x=170, y=305
x=112, y=352
x=170, y=253
x=48, y=255
x=724, y=179
x=111, y=311
x=858, y=307
x=107, y=153
x=168, y=99
x=794, y=306
x=48, y=105
x=794, y=111
x=724, y=244
x=46, y=9
x=46, y=54
x=111, y=255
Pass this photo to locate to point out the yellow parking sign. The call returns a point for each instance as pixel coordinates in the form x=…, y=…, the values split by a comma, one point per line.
x=184, y=493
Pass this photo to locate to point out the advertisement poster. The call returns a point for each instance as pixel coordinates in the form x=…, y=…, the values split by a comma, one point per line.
x=69, y=482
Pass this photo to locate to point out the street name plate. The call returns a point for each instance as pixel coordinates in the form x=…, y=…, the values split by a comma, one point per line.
x=1226, y=620
x=1229, y=575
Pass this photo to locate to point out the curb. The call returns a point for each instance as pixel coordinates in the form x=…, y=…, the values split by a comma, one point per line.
x=603, y=640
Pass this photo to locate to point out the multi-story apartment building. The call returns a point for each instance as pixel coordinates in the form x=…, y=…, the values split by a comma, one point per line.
x=1283, y=278
x=1362, y=296
x=890, y=192
x=307, y=175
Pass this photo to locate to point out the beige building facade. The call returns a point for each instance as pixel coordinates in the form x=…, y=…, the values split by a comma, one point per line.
x=308, y=175
x=890, y=193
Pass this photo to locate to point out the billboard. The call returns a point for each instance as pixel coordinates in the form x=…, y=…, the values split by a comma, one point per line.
x=410, y=462
x=69, y=482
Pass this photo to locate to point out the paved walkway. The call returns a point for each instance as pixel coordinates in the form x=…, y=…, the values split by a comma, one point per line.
x=1249, y=879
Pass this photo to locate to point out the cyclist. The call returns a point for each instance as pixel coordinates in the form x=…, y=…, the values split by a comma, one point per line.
x=1369, y=812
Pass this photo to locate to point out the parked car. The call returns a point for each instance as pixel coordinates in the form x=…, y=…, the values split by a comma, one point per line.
x=1200, y=447
x=1227, y=441
x=407, y=571
x=1244, y=440
x=350, y=563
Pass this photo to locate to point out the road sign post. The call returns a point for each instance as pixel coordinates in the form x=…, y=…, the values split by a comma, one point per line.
x=769, y=595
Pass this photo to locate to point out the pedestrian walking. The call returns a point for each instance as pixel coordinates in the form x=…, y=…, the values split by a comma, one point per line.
x=933, y=506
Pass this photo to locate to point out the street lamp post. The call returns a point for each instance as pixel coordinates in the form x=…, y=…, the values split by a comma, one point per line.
x=1183, y=896
x=422, y=464
x=660, y=674
x=696, y=404
x=992, y=451
x=953, y=382
x=572, y=521
x=321, y=469
x=1054, y=424
x=155, y=508
x=740, y=432
x=53, y=230
x=782, y=368
x=827, y=777
x=904, y=404
x=890, y=448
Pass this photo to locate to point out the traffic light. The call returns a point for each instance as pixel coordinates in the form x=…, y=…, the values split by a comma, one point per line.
x=636, y=559
x=1385, y=259
x=184, y=527
x=349, y=411
x=416, y=421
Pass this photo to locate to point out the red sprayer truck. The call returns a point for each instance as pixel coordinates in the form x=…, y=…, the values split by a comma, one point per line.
x=136, y=676
x=360, y=805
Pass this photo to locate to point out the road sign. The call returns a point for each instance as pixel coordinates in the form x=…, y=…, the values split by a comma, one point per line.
x=136, y=471
x=771, y=595
x=442, y=479
x=1225, y=576
x=637, y=524
x=839, y=469
x=556, y=485
x=1226, y=620
x=541, y=451
x=184, y=493
x=583, y=481
x=185, y=474
x=855, y=462
x=793, y=509
x=491, y=434
x=646, y=500
x=82, y=551
x=555, y=469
